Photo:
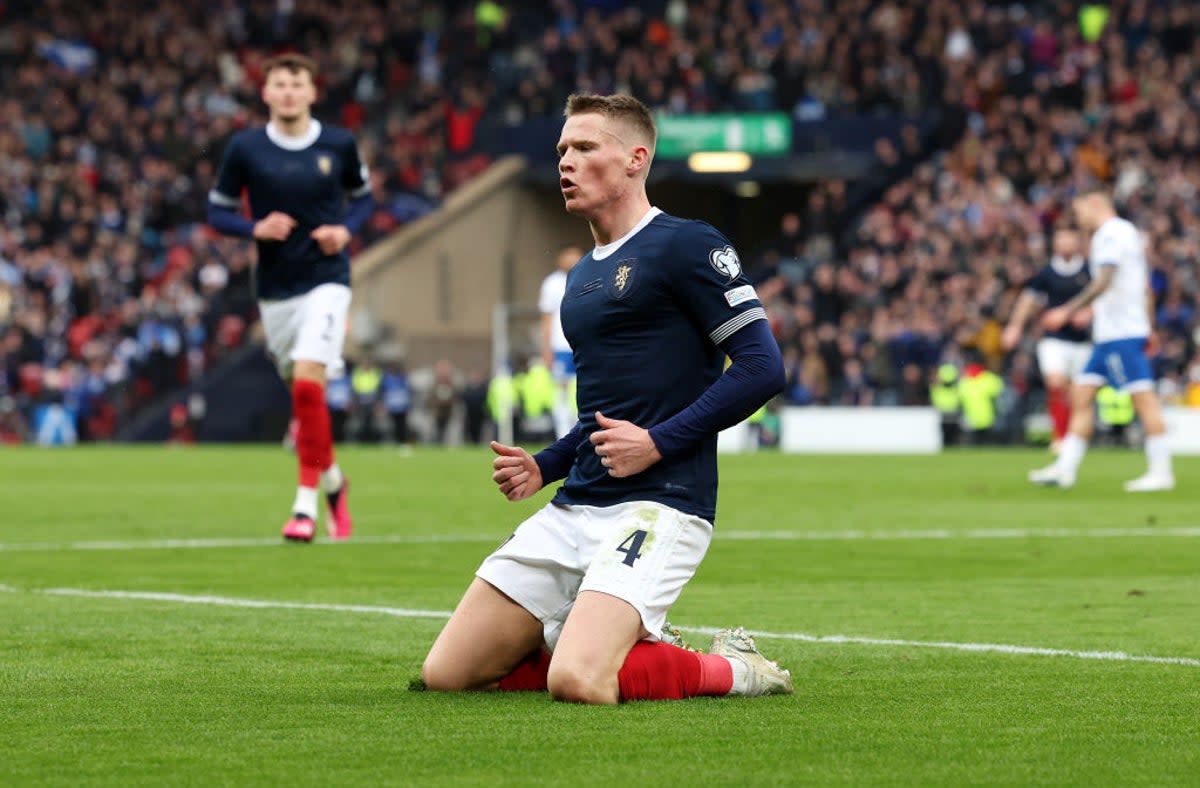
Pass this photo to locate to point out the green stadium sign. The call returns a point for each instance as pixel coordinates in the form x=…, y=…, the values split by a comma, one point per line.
x=768, y=133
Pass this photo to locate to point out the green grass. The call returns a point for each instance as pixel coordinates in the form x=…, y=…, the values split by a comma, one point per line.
x=97, y=690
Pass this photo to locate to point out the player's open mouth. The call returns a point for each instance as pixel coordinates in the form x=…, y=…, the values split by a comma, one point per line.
x=566, y=185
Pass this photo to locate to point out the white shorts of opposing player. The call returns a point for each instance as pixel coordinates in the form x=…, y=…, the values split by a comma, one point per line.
x=1061, y=357
x=308, y=327
x=642, y=552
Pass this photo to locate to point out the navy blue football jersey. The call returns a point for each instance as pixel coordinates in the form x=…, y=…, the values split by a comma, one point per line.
x=644, y=321
x=1058, y=282
x=309, y=179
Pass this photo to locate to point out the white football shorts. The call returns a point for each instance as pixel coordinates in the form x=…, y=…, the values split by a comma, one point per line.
x=308, y=327
x=642, y=552
x=1060, y=357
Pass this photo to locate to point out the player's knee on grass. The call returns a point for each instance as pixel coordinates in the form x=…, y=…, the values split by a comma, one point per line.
x=575, y=684
x=442, y=675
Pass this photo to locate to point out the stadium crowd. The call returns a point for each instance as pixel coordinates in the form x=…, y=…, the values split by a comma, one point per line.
x=1053, y=101
x=112, y=290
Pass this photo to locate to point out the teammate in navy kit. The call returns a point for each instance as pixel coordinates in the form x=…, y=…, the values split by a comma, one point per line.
x=576, y=600
x=1061, y=353
x=299, y=177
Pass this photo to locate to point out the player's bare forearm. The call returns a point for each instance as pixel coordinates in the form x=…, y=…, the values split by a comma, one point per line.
x=1022, y=310
x=1058, y=317
x=1094, y=290
x=1016, y=323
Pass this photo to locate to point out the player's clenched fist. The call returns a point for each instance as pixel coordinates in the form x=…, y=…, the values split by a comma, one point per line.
x=332, y=238
x=623, y=447
x=275, y=226
x=515, y=472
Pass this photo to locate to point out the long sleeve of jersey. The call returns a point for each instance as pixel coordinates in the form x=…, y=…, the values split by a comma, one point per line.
x=555, y=460
x=755, y=376
x=229, y=221
x=224, y=200
x=358, y=212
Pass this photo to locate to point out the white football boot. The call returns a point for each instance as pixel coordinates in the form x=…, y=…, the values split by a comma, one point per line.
x=753, y=674
x=1151, y=482
x=1052, y=476
x=674, y=636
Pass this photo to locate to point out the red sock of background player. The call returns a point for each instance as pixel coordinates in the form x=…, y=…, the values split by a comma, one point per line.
x=1060, y=411
x=314, y=442
x=660, y=671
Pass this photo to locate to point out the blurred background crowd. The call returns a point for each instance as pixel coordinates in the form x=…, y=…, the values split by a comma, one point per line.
x=1051, y=102
x=113, y=291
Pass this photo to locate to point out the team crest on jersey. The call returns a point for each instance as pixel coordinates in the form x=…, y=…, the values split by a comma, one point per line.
x=325, y=164
x=621, y=280
x=725, y=262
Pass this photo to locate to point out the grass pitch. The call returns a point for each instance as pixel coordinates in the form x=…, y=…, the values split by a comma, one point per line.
x=201, y=674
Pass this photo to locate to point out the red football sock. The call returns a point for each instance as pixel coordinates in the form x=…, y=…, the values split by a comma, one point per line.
x=660, y=671
x=652, y=671
x=314, y=440
x=1060, y=411
x=530, y=675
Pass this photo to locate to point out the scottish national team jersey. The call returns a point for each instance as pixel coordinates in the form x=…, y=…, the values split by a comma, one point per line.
x=644, y=316
x=1058, y=282
x=309, y=179
x=1120, y=311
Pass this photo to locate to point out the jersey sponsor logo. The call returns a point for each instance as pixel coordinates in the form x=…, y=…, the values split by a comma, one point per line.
x=740, y=295
x=725, y=262
x=621, y=281
x=325, y=164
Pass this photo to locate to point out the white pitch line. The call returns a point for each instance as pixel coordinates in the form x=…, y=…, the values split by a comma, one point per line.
x=994, y=648
x=401, y=612
x=224, y=601
x=937, y=534
x=200, y=544
x=948, y=534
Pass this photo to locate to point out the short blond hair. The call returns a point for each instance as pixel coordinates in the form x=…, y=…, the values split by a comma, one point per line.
x=618, y=106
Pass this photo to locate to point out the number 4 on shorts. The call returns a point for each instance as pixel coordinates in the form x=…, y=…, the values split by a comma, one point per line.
x=632, y=547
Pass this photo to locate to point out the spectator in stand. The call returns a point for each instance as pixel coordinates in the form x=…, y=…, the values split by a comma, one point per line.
x=397, y=399
x=443, y=398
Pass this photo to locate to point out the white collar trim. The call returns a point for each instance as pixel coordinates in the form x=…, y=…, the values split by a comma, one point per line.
x=295, y=143
x=1068, y=266
x=604, y=250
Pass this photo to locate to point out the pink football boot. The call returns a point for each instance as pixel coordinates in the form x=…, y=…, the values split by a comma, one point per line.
x=299, y=529
x=339, y=523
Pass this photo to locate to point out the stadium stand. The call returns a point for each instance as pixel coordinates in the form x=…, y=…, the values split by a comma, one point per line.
x=112, y=291
x=926, y=275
